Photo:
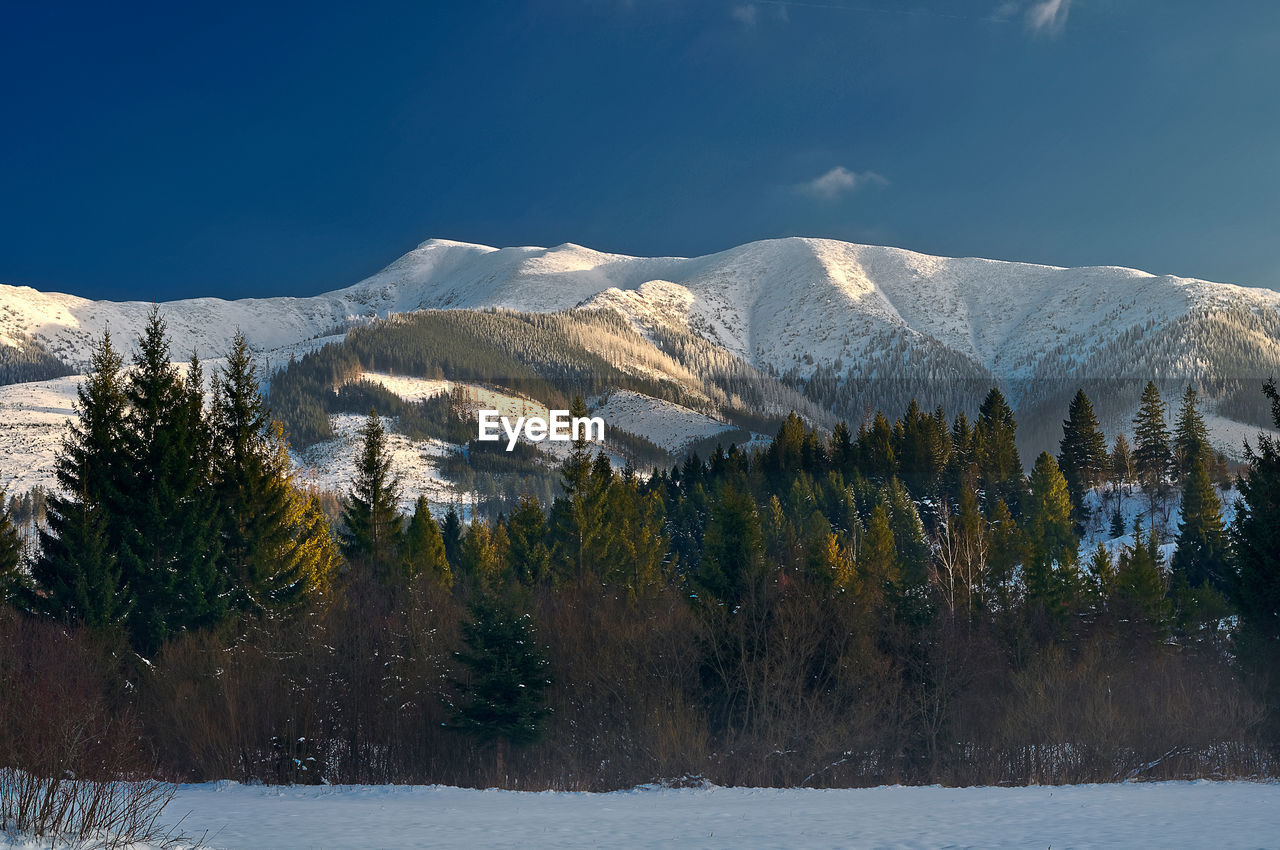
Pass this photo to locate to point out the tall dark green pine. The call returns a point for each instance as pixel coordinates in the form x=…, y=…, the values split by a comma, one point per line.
x=732, y=566
x=1050, y=571
x=372, y=533
x=77, y=577
x=1152, y=457
x=502, y=698
x=424, y=547
x=170, y=554
x=10, y=555
x=1190, y=436
x=1140, y=592
x=840, y=447
x=1202, y=555
x=575, y=517
x=451, y=532
x=1083, y=457
x=1255, y=534
x=528, y=557
x=251, y=474
x=996, y=453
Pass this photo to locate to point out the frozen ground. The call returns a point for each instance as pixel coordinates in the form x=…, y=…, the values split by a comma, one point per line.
x=1167, y=814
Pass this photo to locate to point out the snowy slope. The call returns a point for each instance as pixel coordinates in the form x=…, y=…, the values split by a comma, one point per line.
x=771, y=302
x=1161, y=814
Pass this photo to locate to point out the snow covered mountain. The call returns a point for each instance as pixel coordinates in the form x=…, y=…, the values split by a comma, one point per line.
x=853, y=326
x=784, y=303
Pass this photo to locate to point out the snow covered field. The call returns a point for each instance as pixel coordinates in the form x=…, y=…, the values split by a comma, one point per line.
x=1167, y=814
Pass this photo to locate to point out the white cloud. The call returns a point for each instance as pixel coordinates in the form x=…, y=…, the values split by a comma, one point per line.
x=746, y=15
x=1006, y=10
x=1048, y=15
x=841, y=181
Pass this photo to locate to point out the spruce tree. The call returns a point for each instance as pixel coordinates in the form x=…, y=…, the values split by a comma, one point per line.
x=1049, y=572
x=1083, y=457
x=451, y=532
x=529, y=558
x=576, y=516
x=318, y=550
x=501, y=699
x=1102, y=571
x=996, y=453
x=1202, y=556
x=1191, y=437
x=1152, y=456
x=875, y=450
x=484, y=556
x=732, y=566
x=91, y=592
x=76, y=576
x=878, y=557
x=170, y=556
x=633, y=545
x=424, y=547
x=253, y=477
x=1140, y=589
x=1255, y=533
x=908, y=533
x=1117, y=523
x=11, y=578
x=372, y=534
x=841, y=449
x=1008, y=547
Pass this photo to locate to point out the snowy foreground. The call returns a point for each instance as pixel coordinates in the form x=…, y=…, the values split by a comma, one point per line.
x=1167, y=814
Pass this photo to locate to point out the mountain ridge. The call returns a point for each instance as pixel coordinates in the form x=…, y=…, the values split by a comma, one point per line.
x=747, y=298
x=854, y=326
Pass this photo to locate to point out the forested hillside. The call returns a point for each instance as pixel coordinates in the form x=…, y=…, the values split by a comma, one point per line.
x=895, y=602
x=546, y=357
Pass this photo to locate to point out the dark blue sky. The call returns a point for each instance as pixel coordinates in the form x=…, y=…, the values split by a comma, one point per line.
x=157, y=151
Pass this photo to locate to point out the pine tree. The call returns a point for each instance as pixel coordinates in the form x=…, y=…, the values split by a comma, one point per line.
x=878, y=558
x=484, y=556
x=1202, y=556
x=170, y=555
x=634, y=546
x=1152, y=457
x=576, y=516
x=252, y=474
x=732, y=567
x=908, y=533
x=1255, y=534
x=1191, y=437
x=317, y=549
x=1008, y=547
x=996, y=453
x=1083, y=457
x=1140, y=584
x=451, y=532
x=1049, y=573
x=1117, y=523
x=11, y=578
x=424, y=547
x=1102, y=571
x=875, y=449
x=841, y=449
x=76, y=577
x=528, y=557
x=502, y=698
x=372, y=535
